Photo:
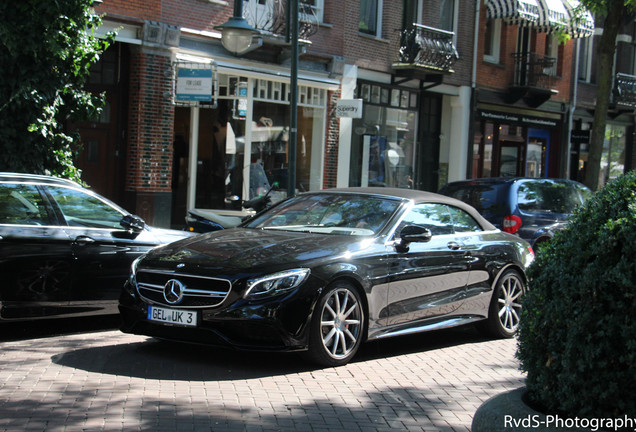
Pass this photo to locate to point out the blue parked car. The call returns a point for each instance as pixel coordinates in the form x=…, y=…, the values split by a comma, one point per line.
x=532, y=208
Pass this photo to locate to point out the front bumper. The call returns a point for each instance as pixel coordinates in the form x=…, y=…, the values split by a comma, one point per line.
x=279, y=323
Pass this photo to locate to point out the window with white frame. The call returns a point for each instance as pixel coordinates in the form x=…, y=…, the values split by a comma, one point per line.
x=552, y=51
x=585, y=59
x=447, y=15
x=311, y=10
x=371, y=17
x=492, y=41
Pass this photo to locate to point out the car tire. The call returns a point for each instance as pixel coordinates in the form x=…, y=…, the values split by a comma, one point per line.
x=505, y=306
x=337, y=326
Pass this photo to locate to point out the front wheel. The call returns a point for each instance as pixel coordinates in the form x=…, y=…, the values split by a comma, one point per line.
x=337, y=326
x=505, y=306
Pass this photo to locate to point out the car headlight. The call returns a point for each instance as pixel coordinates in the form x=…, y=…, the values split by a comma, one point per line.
x=275, y=283
x=132, y=278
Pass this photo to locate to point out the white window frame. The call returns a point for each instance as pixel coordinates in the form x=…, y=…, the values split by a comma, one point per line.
x=378, y=33
x=319, y=10
x=588, y=47
x=454, y=19
x=495, y=43
x=553, y=47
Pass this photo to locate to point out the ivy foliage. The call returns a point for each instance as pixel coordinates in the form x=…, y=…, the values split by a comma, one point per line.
x=46, y=51
x=577, y=337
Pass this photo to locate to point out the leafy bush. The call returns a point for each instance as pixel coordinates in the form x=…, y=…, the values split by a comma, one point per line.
x=577, y=337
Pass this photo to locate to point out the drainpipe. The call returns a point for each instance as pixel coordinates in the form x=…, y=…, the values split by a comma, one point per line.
x=575, y=87
x=473, y=95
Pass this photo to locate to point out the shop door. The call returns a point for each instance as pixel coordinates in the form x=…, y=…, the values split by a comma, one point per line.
x=511, y=160
x=537, y=153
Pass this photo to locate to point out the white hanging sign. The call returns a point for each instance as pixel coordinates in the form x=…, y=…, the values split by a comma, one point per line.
x=351, y=108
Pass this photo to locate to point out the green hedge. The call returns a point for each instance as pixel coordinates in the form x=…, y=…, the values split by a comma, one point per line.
x=577, y=337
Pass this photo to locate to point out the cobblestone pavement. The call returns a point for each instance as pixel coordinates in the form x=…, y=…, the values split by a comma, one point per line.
x=109, y=381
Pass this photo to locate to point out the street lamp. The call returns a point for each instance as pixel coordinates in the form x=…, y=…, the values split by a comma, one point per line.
x=293, y=96
x=237, y=36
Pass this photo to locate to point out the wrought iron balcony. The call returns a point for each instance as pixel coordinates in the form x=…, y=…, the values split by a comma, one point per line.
x=534, y=70
x=625, y=89
x=427, y=47
x=534, y=79
x=270, y=17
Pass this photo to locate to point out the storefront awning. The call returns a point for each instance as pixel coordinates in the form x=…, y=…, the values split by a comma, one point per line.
x=521, y=12
x=552, y=16
x=580, y=20
x=544, y=15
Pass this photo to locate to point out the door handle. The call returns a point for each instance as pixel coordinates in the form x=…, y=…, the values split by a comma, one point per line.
x=83, y=240
x=453, y=246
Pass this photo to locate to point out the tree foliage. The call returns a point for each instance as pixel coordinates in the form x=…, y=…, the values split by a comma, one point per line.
x=614, y=13
x=46, y=51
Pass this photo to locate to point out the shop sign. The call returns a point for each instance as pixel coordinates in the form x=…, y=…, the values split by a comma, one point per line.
x=526, y=120
x=580, y=136
x=242, y=101
x=351, y=108
x=194, y=85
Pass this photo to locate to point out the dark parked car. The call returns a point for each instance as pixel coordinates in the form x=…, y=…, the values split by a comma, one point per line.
x=532, y=208
x=65, y=250
x=324, y=271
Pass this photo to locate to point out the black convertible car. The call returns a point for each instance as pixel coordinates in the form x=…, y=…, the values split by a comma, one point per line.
x=324, y=271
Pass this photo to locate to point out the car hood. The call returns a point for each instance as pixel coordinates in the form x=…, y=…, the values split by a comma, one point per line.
x=164, y=235
x=248, y=249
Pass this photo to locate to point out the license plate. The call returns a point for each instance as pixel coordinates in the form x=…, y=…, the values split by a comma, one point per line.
x=172, y=316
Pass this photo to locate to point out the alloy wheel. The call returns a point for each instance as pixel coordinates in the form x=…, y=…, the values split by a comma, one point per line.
x=509, y=302
x=341, y=323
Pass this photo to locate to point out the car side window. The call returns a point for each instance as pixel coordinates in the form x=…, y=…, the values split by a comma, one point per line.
x=435, y=217
x=547, y=196
x=84, y=210
x=22, y=204
x=463, y=222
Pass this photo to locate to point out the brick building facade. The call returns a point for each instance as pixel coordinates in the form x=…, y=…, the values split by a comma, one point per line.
x=430, y=100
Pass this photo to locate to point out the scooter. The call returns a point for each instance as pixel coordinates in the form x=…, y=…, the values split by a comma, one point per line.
x=201, y=221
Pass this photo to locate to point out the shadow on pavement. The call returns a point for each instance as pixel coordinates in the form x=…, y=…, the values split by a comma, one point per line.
x=49, y=327
x=155, y=359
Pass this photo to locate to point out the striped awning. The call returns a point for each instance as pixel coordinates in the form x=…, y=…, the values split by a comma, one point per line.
x=580, y=20
x=552, y=16
x=521, y=12
x=544, y=15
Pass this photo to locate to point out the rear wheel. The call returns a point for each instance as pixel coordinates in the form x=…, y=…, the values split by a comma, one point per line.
x=337, y=326
x=505, y=306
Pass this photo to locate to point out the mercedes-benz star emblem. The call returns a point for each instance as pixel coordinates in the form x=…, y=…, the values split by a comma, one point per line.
x=173, y=291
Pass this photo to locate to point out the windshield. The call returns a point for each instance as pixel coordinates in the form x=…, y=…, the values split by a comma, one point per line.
x=344, y=214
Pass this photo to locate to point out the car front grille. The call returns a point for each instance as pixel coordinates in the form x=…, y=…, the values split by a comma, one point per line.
x=190, y=291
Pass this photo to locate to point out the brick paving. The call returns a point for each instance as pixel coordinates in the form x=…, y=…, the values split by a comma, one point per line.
x=109, y=381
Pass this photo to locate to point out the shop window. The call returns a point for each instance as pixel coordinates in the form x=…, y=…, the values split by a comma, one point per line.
x=384, y=146
x=613, y=158
x=235, y=159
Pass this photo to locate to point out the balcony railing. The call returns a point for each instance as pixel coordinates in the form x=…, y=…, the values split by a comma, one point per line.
x=270, y=17
x=534, y=70
x=427, y=47
x=625, y=89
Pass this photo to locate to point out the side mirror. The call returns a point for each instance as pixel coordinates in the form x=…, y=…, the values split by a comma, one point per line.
x=132, y=223
x=415, y=234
